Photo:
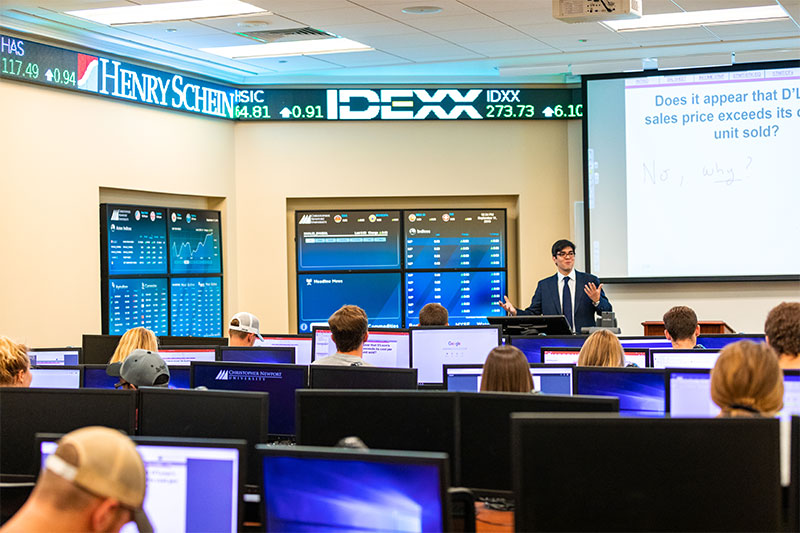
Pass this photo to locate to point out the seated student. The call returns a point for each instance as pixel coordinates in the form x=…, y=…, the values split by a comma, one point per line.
x=433, y=314
x=141, y=368
x=681, y=327
x=747, y=380
x=134, y=339
x=349, y=332
x=783, y=333
x=15, y=366
x=243, y=330
x=95, y=481
x=602, y=348
x=506, y=370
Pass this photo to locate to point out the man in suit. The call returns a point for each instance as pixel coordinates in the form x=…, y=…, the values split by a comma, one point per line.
x=578, y=299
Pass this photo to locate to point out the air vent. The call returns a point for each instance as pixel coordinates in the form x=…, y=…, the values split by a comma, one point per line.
x=285, y=36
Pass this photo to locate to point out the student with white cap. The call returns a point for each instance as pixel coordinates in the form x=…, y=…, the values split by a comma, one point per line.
x=243, y=330
x=95, y=481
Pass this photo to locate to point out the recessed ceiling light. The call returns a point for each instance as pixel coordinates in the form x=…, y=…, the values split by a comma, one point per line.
x=292, y=48
x=252, y=24
x=172, y=11
x=171, y=30
x=699, y=18
x=422, y=10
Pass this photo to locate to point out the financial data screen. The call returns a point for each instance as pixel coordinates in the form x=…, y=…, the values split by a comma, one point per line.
x=196, y=309
x=459, y=238
x=354, y=240
x=137, y=240
x=138, y=302
x=194, y=237
x=378, y=294
x=469, y=297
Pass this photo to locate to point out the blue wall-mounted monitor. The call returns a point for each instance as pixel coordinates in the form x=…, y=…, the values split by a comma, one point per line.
x=455, y=238
x=348, y=240
x=195, y=241
x=378, y=294
x=196, y=307
x=135, y=239
x=469, y=297
x=134, y=302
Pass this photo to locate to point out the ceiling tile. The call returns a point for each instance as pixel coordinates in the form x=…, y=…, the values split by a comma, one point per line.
x=321, y=18
x=705, y=5
x=356, y=31
x=667, y=37
x=511, y=47
x=730, y=32
x=479, y=35
x=394, y=10
x=441, y=52
x=207, y=41
x=234, y=24
x=163, y=31
x=403, y=41
x=456, y=22
x=559, y=29
x=291, y=64
x=362, y=59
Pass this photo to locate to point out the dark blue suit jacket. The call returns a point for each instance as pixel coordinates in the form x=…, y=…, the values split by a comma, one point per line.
x=547, y=301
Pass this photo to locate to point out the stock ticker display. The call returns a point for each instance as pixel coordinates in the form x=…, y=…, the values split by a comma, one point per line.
x=161, y=270
x=93, y=74
x=394, y=262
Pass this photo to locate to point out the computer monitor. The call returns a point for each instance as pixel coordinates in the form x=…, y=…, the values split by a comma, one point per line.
x=547, y=379
x=192, y=484
x=300, y=343
x=636, y=474
x=531, y=345
x=173, y=340
x=56, y=377
x=644, y=342
x=484, y=425
x=362, y=377
x=98, y=349
x=257, y=354
x=95, y=377
x=328, y=489
x=689, y=393
x=717, y=342
x=684, y=358
x=55, y=356
x=400, y=420
x=641, y=391
x=184, y=355
x=279, y=380
x=532, y=324
x=26, y=412
x=205, y=414
x=385, y=347
x=569, y=356
x=791, y=393
x=434, y=347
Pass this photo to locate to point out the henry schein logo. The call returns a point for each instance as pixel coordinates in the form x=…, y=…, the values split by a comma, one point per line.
x=87, y=72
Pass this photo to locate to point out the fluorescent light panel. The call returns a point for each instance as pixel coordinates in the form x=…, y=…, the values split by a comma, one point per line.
x=294, y=48
x=699, y=18
x=142, y=14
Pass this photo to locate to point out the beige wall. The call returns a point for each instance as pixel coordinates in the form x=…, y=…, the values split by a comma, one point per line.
x=62, y=153
x=57, y=150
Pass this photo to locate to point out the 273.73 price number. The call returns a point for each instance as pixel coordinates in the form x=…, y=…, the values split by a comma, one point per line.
x=509, y=111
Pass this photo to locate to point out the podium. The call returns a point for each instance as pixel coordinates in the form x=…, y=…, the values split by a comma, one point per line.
x=655, y=328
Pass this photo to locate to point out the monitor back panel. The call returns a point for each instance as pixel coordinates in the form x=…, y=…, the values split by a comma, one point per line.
x=346, y=377
x=634, y=474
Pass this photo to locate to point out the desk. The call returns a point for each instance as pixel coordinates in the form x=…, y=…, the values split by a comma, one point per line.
x=487, y=520
x=655, y=328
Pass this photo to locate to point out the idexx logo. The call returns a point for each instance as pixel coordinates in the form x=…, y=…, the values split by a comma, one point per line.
x=87, y=72
x=402, y=104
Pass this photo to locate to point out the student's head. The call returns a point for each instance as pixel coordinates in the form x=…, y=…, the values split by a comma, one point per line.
x=747, y=380
x=433, y=314
x=134, y=339
x=602, y=348
x=95, y=481
x=506, y=370
x=680, y=324
x=244, y=330
x=783, y=329
x=142, y=368
x=564, y=255
x=348, y=328
x=15, y=366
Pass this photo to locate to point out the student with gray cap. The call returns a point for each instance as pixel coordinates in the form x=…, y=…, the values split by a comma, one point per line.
x=142, y=368
x=95, y=481
x=243, y=330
